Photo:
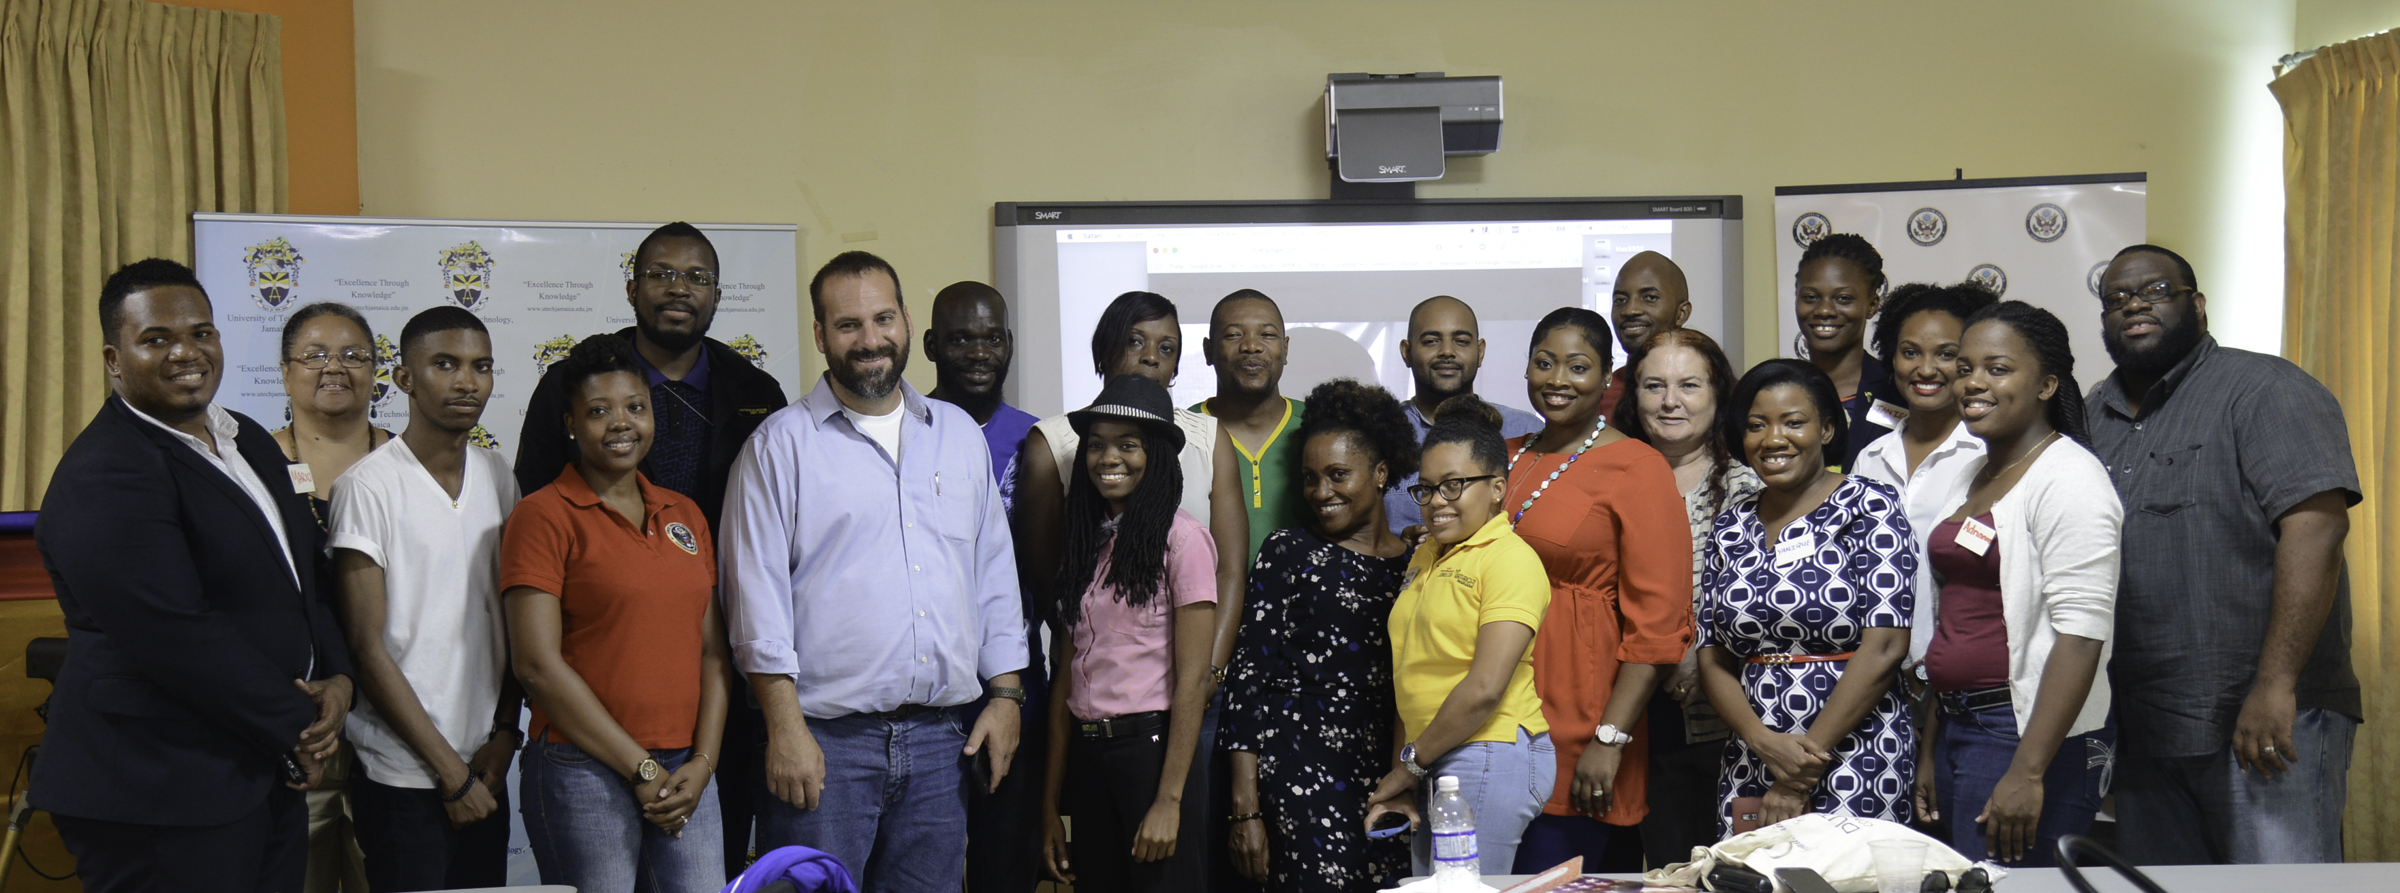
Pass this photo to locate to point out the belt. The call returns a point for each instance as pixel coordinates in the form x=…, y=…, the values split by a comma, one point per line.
x=1974, y=701
x=906, y=711
x=1777, y=660
x=1122, y=726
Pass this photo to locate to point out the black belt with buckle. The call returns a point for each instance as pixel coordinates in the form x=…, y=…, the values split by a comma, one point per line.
x=1122, y=726
x=1974, y=701
x=906, y=711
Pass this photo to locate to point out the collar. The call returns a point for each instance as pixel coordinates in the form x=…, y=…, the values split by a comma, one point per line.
x=221, y=424
x=1875, y=380
x=1491, y=530
x=579, y=491
x=1893, y=452
x=822, y=405
x=697, y=378
x=2112, y=391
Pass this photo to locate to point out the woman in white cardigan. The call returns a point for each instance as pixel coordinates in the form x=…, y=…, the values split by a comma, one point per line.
x=2020, y=743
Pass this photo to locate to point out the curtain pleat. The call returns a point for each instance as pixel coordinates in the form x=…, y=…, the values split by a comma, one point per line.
x=2341, y=164
x=118, y=119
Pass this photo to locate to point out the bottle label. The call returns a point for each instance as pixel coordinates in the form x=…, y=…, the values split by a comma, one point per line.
x=1454, y=846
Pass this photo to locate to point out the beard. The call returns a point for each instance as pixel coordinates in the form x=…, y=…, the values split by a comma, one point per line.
x=871, y=385
x=2173, y=343
x=675, y=342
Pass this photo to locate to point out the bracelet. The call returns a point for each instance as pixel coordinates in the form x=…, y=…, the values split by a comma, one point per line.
x=1244, y=817
x=712, y=761
x=1219, y=672
x=461, y=793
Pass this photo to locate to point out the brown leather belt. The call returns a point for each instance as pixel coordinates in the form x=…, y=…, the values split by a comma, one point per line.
x=1778, y=660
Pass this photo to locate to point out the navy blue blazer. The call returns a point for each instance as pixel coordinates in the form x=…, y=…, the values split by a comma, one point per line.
x=184, y=629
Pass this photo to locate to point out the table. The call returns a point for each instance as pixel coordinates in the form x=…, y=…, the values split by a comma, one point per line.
x=2343, y=877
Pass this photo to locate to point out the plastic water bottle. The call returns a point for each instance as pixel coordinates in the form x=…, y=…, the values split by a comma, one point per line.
x=1456, y=867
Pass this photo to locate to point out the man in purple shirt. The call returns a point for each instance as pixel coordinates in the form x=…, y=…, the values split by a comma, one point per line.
x=971, y=346
x=870, y=583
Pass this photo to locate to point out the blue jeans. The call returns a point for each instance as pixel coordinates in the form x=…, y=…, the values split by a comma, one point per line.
x=1504, y=783
x=588, y=832
x=2206, y=810
x=1971, y=753
x=894, y=808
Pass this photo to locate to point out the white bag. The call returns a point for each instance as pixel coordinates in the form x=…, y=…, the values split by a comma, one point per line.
x=1832, y=846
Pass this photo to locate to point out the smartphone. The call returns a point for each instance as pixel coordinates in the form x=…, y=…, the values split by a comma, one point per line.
x=1390, y=824
x=981, y=768
x=292, y=772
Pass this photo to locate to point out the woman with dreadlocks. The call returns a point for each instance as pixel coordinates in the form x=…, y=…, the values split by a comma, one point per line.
x=1134, y=609
x=2028, y=567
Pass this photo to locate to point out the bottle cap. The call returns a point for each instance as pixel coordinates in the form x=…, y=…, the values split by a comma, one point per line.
x=1446, y=783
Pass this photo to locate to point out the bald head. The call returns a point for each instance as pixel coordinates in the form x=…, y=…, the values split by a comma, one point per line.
x=1443, y=349
x=970, y=344
x=1650, y=297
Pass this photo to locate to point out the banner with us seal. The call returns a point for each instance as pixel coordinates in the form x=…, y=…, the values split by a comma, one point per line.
x=539, y=286
x=2042, y=240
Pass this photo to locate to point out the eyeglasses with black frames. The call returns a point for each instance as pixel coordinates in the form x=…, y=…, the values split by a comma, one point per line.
x=1450, y=489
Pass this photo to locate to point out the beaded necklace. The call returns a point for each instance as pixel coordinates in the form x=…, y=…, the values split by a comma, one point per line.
x=1553, y=478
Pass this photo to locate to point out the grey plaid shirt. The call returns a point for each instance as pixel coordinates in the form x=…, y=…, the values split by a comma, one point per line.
x=2226, y=443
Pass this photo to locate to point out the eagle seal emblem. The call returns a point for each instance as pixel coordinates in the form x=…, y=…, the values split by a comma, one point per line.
x=1991, y=277
x=1809, y=228
x=2046, y=222
x=1927, y=226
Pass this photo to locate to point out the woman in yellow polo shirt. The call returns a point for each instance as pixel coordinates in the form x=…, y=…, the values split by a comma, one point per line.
x=1462, y=637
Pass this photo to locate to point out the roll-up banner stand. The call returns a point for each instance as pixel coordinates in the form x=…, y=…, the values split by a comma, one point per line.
x=539, y=286
x=2042, y=240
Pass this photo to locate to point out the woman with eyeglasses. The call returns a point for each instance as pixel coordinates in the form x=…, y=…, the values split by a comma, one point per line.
x=1810, y=588
x=329, y=374
x=1600, y=509
x=1462, y=641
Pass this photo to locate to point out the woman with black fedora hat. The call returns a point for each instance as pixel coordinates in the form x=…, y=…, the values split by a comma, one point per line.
x=1134, y=606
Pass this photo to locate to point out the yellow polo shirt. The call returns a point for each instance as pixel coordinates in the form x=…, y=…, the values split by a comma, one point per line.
x=1493, y=576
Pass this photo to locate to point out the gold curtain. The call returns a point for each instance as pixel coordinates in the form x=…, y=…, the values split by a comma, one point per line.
x=2341, y=175
x=118, y=119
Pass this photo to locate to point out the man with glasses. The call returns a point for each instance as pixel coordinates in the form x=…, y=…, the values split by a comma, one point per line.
x=705, y=399
x=2235, y=697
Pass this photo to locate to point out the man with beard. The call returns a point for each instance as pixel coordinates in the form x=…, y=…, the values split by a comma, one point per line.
x=971, y=346
x=705, y=399
x=1650, y=297
x=1444, y=349
x=870, y=585
x=416, y=541
x=2236, y=701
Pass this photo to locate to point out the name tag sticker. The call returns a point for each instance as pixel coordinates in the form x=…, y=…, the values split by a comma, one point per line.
x=1793, y=548
x=1974, y=537
x=1887, y=414
x=303, y=481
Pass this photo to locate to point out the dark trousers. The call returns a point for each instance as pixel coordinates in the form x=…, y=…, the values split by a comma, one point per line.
x=265, y=850
x=1004, y=829
x=737, y=782
x=410, y=844
x=1683, y=801
x=1109, y=787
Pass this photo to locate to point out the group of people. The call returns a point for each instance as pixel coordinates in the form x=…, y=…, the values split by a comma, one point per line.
x=1223, y=647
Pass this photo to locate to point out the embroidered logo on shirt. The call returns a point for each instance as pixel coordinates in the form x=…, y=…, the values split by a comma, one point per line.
x=1461, y=579
x=683, y=537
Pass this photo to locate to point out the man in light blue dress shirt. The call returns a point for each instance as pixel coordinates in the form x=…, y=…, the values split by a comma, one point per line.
x=870, y=582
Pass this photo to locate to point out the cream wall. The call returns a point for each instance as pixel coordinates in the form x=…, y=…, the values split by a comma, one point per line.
x=893, y=126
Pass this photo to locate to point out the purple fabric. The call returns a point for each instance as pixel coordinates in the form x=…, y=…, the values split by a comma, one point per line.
x=810, y=871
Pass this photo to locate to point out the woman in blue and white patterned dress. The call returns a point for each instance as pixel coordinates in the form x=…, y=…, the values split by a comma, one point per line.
x=1809, y=592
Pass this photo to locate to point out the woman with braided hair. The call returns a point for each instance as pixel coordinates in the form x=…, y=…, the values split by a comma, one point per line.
x=2028, y=560
x=1838, y=288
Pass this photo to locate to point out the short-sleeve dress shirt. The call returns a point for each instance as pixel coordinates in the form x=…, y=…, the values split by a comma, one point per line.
x=2226, y=443
x=1449, y=596
x=1125, y=653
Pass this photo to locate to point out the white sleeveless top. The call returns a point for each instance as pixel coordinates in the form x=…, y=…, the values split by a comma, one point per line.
x=1199, y=456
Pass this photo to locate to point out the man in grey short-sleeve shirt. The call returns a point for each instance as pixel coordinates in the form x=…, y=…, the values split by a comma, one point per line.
x=2236, y=702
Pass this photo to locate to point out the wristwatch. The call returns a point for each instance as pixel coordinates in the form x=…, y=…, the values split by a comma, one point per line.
x=647, y=771
x=1610, y=735
x=1005, y=693
x=1408, y=760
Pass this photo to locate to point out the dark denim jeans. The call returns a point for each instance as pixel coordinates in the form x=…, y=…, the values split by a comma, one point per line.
x=1971, y=754
x=2207, y=810
x=410, y=845
x=588, y=832
x=894, y=809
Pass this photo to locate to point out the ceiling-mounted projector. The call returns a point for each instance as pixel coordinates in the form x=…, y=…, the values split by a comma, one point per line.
x=1391, y=128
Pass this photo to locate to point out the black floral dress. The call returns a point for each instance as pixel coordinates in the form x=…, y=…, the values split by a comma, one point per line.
x=1310, y=692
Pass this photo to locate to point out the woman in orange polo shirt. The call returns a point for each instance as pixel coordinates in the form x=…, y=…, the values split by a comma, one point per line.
x=610, y=582
x=1603, y=511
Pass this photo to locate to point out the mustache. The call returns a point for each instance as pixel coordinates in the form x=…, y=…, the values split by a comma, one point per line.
x=886, y=352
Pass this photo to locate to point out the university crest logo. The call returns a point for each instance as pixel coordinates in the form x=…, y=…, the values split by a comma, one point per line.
x=2046, y=222
x=274, y=273
x=683, y=538
x=1991, y=277
x=482, y=437
x=1809, y=228
x=380, y=395
x=750, y=350
x=466, y=273
x=1927, y=226
x=625, y=263
x=550, y=352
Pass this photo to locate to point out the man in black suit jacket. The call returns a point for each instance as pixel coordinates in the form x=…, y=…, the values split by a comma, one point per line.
x=203, y=668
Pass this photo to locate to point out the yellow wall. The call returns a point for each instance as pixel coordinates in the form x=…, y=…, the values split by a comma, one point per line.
x=897, y=124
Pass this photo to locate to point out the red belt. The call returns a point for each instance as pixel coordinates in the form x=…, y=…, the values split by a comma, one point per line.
x=1777, y=660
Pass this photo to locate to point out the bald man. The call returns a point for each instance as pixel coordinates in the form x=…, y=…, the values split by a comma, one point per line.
x=1443, y=351
x=1650, y=297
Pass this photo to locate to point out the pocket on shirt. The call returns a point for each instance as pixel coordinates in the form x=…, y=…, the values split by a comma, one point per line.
x=2167, y=509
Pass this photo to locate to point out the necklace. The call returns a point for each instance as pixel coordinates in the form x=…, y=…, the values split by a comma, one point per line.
x=1562, y=468
x=2021, y=459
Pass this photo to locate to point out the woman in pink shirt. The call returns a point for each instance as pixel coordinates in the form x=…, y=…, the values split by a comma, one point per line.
x=1135, y=611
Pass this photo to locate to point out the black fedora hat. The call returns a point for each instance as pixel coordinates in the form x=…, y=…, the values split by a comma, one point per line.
x=1132, y=398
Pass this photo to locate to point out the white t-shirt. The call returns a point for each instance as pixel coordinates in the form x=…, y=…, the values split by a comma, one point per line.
x=441, y=574
x=883, y=429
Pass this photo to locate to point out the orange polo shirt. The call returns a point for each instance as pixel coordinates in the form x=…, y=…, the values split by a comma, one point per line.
x=632, y=602
x=1613, y=534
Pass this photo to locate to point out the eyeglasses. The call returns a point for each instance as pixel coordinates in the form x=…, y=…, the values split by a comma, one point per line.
x=1450, y=489
x=2155, y=293
x=665, y=278
x=351, y=359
